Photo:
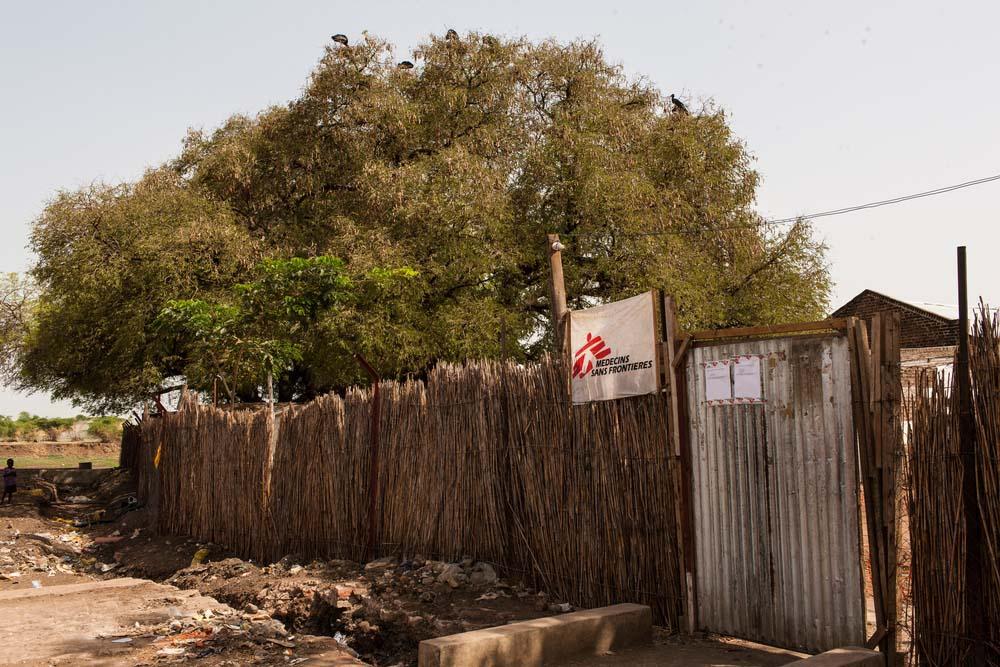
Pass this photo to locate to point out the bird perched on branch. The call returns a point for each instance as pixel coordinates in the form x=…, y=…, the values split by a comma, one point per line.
x=678, y=105
x=340, y=39
x=405, y=64
x=451, y=34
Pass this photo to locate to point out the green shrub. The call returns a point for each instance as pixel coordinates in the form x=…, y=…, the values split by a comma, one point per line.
x=8, y=430
x=107, y=428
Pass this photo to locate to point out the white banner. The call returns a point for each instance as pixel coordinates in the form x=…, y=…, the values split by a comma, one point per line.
x=614, y=350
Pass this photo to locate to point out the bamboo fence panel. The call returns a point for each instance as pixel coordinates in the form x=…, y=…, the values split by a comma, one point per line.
x=984, y=361
x=937, y=533
x=486, y=459
x=128, y=454
x=940, y=629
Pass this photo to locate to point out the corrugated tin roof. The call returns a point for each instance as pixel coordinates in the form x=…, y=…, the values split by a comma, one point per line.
x=942, y=310
x=947, y=310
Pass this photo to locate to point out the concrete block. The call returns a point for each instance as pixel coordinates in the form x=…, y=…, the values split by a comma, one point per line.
x=843, y=657
x=544, y=640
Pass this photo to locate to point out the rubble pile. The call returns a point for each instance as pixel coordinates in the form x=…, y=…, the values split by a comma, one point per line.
x=30, y=556
x=199, y=635
x=382, y=610
x=37, y=555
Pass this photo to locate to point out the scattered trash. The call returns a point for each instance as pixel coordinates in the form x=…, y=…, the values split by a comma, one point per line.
x=35, y=583
x=78, y=499
x=122, y=640
x=199, y=556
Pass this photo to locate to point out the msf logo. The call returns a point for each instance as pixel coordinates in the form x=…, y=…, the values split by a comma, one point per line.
x=583, y=361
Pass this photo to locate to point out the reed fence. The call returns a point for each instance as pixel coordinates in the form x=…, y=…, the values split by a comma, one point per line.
x=128, y=454
x=488, y=459
x=941, y=628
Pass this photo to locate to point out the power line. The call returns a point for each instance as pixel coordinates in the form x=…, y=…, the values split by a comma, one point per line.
x=811, y=216
x=886, y=202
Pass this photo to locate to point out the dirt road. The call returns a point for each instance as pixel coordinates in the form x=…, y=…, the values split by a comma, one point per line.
x=55, y=610
x=115, y=623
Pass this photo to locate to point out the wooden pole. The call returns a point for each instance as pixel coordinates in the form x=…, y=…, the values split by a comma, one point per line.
x=975, y=609
x=557, y=294
x=861, y=392
x=678, y=426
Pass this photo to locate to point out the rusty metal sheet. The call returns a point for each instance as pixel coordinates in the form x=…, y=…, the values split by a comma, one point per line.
x=775, y=498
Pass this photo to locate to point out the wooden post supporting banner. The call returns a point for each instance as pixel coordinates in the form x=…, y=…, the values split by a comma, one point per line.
x=975, y=607
x=557, y=295
x=676, y=375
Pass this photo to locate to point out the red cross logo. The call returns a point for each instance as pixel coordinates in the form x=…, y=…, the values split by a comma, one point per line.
x=595, y=348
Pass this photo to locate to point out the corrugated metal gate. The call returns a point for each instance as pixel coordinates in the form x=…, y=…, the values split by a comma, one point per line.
x=775, y=497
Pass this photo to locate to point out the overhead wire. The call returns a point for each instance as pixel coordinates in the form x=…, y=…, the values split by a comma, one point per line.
x=807, y=216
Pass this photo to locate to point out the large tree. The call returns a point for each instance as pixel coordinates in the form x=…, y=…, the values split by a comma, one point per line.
x=457, y=168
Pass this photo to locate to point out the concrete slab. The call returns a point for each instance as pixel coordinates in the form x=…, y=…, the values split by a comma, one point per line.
x=844, y=657
x=691, y=651
x=542, y=641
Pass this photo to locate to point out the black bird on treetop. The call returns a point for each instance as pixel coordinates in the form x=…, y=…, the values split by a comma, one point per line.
x=340, y=39
x=451, y=34
x=678, y=105
x=406, y=64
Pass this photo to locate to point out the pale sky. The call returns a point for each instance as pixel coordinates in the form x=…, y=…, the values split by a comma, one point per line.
x=842, y=103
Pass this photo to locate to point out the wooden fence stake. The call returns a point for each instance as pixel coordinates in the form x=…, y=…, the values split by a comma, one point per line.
x=861, y=399
x=373, y=470
x=676, y=375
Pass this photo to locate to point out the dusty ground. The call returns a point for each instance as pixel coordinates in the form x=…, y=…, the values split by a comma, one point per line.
x=135, y=621
x=62, y=604
x=281, y=613
x=381, y=610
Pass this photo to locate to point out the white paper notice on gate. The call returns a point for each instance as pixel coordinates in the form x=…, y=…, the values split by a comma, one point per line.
x=718, y=383
x=614, y=350
x=746, y=379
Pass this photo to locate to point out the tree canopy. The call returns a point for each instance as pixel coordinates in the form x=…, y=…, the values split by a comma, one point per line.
x=442, y=180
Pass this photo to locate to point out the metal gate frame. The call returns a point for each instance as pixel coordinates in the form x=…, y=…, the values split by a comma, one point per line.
x=755, y=568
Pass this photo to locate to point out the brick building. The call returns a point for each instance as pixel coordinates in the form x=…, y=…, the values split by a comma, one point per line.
x=922, y=324
x=928, y=332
